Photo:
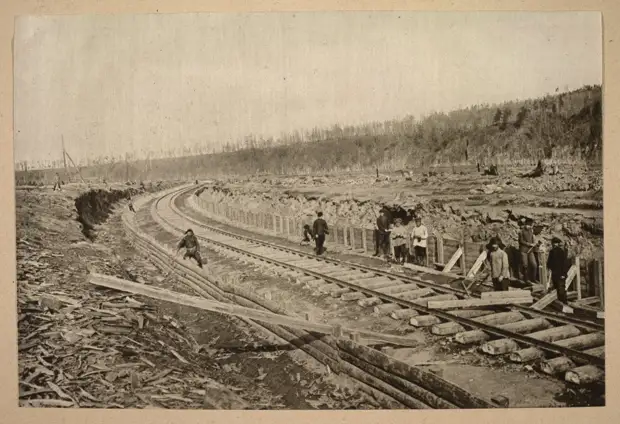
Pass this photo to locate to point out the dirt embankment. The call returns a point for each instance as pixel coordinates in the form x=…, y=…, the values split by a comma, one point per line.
x=95, y=206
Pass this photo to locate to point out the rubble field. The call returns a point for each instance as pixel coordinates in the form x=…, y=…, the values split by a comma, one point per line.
x=455, y=204
x=81, y=346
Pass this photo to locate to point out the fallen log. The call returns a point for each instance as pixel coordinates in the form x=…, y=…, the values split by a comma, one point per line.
x=399, y=383
x=429, y=381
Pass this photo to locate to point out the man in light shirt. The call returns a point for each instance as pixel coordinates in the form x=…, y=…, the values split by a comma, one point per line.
x=497, y=265
x=419, y=236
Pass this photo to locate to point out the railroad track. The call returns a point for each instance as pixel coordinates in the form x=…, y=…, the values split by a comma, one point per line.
x=565, y=345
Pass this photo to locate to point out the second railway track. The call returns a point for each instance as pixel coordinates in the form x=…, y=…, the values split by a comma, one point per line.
x=566, y=346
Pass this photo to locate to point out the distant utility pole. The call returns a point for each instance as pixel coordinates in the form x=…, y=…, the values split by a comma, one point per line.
x=64, y=155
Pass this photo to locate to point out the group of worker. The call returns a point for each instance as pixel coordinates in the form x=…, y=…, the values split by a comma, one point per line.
x=498, y=268
x=395, y=235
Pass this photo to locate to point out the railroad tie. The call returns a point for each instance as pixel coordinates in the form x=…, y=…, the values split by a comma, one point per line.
x=583, y=341
x=503, y=346
x=451, y=327
x=525, y=326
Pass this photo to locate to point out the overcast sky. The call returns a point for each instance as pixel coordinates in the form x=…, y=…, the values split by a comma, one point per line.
x=111, y=84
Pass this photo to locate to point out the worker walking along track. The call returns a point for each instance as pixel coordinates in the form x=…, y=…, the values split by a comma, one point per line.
x=565, y=346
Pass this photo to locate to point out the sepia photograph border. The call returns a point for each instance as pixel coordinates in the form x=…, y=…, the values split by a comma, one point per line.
x=11, y=413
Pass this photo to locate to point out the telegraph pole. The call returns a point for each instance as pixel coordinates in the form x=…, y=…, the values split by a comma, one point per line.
x=64, y=156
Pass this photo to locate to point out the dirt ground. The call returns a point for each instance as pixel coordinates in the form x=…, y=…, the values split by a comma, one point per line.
x=468, y=204
x=87, y=347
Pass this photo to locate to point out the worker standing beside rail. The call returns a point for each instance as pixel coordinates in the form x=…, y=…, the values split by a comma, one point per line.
x=497, y=265
x=319, y=229
x=382, y=234
x=558, y=264
x=528, y=249
x=192, y=248
x=419, y=236
x=399, y=241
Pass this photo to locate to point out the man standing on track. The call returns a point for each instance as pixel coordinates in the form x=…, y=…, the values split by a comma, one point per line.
x=192, y=248
x=319, y=229
x=559, y=265
x=528, y=249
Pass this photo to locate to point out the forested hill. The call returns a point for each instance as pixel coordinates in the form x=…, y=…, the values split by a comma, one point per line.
x=564, y=126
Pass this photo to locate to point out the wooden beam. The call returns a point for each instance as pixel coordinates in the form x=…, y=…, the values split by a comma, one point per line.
x=439, y=248
x=472, y=303
x=431, y=271
x=545, y=301
x=427, y=380
x=239, y=311
x=600, y=284
x=453, y=259
x=578, y=276
x=505, y=294
x=477, y=265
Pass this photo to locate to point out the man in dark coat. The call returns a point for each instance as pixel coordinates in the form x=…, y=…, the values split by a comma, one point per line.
x=528, y=248
x=192, y=248
x=320, y=229
x=382, y=234
x=558, y=264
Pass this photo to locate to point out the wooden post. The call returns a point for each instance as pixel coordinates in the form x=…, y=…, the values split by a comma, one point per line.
x=462, y=259
x=599, y=282
x=578, y=276
x=364, y=240
x=352, y=232
x=440, y=248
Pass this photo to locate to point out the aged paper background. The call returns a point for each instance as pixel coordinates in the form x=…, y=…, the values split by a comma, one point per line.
x=8, y=349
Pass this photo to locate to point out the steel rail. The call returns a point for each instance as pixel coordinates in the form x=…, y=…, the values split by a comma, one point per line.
x=551, y=316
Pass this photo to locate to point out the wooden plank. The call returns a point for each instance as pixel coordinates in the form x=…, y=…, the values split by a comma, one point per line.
x=588, y=300
x=570, y=276
x=600, y=284
x=471, y=303
x=240, y=311
x=545, y=301
x=440, y=248
x=578, y=276
x=431, y=271
x=463, y=253
x=364, y=240
x=478, y=264
x=505, y=294
x=453, y=259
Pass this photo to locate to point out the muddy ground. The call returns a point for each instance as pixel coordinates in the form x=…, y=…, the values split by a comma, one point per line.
x=456, y=204
x=87, y=347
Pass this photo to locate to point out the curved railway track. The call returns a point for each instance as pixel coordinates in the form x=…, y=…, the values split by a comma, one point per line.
x=565, y=345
